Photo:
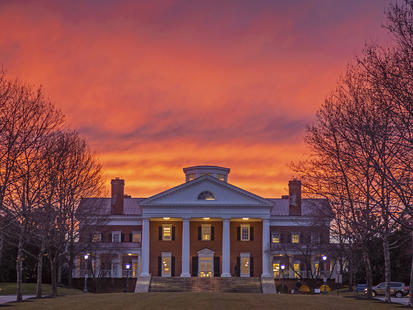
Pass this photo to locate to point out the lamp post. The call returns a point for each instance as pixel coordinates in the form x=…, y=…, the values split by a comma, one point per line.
x=324, y=258
x=282, y=274
x=86, y=257
x=127, y=277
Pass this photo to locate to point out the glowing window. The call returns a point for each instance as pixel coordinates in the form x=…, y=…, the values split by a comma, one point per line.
x=206, y=232
x=97, y=237
x=275, y=237
x=166, y=264
x=276, y=269
x=136, y=237
x=221, y=177
x=296, y=270
x=167, y=232
x=295, y=238
x=245, y=232
x=245, y=265
x=206, y=196
x=191, y=177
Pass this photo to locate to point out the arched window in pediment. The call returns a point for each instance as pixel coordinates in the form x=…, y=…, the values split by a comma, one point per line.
x=206, y=195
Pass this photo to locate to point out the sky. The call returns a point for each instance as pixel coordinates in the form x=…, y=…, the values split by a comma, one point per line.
x=155, y=86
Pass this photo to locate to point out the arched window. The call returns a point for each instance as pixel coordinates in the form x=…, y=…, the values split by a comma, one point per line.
x=206, y=196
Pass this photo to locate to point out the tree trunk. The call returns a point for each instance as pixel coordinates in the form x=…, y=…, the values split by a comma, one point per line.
x=369, y=273
x=351, y=276
x=40, y=270
x=53, y=276
x=387, y=270
x=59, y=274
x=411, y=273
x=19, y=270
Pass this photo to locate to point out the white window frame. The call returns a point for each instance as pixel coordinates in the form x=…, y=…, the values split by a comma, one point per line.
x=137, y=233
x=166, y=255
x=248, y=227
x=116, y=233
x=273, y=234
x=206, y=228
x=247, y=256
x=163, y=232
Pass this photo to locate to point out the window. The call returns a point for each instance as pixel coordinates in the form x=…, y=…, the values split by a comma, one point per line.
x=295, y=238
x=97, y=237
x=315, y=237
x=245, y=264
x=166, y=264
x=245, y=232
x=206, y=195
x=167, y=232
x=275, y=237
x=206, y=232
x=276, y=270
x=296, y=270
x=316, y=269
x=191, y=177
x=116, y=236
x=136, y=236
x=221, y=177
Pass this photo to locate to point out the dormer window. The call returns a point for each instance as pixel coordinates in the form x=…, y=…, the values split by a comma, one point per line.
x=206, y=196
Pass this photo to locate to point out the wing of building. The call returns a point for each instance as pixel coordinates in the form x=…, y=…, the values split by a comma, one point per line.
x=207, y=227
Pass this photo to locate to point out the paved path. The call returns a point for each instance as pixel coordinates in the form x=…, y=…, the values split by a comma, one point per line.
x=395, y=300
x=11, y=298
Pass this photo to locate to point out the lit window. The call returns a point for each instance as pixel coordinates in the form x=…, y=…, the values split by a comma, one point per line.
x=245, y=232
x=221, y=177
x=206, y=232
x=316, y=270
x=206, y=196
x=245, y=265
x=295, y=238
x=191, y=177
x=166, y=264
x=296, y=270
x=275, y=237
x=276, y=269
x=167, y=232
x=136, y=237
x=97, y=237
x=115, y=236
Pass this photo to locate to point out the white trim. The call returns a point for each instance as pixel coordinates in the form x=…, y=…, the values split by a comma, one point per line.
x=116, y=233
x=205, y=254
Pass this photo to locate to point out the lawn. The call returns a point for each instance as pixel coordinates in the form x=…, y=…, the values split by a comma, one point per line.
x=7, y=288
x=201, y=301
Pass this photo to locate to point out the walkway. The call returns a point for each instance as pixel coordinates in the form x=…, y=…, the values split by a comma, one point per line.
x=11, y=298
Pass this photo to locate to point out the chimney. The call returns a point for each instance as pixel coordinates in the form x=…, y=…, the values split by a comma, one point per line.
x=294, y=187
x=117, y=196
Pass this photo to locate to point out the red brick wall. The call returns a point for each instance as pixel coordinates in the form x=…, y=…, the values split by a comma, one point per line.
x=157, y=246
x=253, y=247
x=214, y=245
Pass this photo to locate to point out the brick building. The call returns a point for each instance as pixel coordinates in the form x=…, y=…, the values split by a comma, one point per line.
x=207, y=227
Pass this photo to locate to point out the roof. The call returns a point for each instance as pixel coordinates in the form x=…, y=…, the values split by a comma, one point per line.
x=103, y=205
x=309, y=207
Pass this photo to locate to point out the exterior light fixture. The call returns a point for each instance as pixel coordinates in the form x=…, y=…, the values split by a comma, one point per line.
x=245, y=218
x=129, y=254
x=324, y=257
x=86, y=256
x=206, y=218
x=128, y=266
x=166, y=218
x=282, y=267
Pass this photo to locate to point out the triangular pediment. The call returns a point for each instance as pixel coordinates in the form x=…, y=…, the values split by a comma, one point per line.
x=205, y=252
x=224, y=194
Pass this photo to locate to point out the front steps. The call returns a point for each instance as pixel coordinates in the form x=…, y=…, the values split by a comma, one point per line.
x=196, y=284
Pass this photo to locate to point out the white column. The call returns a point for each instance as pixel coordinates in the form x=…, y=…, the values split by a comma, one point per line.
x=185, y=249
x=145, y=248
x=226, y=249
x=266, y=272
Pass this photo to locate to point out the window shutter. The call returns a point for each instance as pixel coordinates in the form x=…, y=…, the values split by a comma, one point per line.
x=122, y=237
x=194, y=266
x=216, y=266
x=173, y=232
x=130, y=237
x=199, y=233
x=159, y=266
x=102, y=237
x=213, y=233
x=251, y=233
x=290, y=239
x=237, y=267
x=110, y=237
x=173, y=266
x=281, y=238
x=251, y=266
x=160, y=232
x=238, y=233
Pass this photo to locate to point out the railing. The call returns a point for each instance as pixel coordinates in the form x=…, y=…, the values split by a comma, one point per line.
x=116, y=245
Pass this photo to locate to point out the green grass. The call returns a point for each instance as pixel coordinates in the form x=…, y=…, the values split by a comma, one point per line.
x=208, y=301
x=9, y=288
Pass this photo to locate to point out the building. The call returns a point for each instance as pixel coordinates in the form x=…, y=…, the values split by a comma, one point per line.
x=207, y=227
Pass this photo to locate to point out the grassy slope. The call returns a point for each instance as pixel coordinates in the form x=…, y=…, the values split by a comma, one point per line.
x=7, y=288
x=201, y=301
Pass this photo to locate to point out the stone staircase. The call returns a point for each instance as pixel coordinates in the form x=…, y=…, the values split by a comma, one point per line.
x=195, y=284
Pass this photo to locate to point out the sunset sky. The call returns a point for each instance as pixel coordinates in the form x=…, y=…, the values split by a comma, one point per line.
x=155, y=86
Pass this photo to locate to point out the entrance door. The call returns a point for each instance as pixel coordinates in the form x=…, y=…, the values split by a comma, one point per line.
x=206, y=267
